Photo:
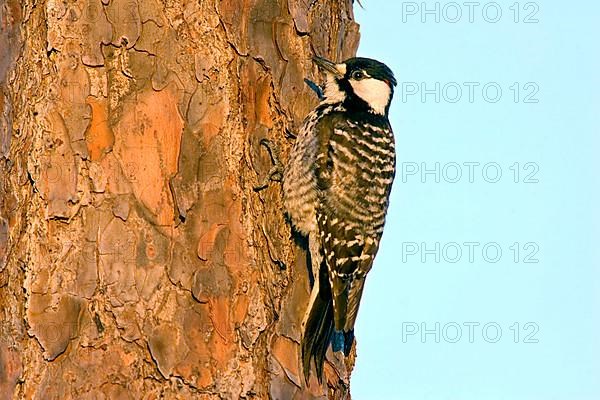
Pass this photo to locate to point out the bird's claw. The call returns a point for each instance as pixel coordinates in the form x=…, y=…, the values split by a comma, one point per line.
x=276, y=172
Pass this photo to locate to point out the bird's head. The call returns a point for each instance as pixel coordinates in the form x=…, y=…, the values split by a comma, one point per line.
x=359, y=82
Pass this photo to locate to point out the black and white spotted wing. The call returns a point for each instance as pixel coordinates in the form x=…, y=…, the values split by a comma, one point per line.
x=355, y=170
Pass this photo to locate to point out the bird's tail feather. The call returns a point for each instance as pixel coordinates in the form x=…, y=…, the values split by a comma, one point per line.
x=348, y=341
x=318, y=331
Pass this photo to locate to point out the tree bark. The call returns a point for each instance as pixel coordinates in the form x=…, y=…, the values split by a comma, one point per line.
x=136, y=261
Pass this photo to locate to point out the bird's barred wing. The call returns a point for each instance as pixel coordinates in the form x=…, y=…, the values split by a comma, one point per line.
x=349, y=257
x=353, y=191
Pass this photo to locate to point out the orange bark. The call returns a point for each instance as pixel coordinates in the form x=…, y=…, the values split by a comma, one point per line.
x=136, y=261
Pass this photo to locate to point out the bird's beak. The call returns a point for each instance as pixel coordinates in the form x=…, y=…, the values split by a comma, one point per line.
x=339, y=70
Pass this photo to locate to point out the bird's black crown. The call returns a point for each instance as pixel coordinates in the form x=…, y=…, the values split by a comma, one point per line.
x=374, y=68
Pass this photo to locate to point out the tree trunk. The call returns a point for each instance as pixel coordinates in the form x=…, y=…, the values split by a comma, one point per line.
x=136, y=261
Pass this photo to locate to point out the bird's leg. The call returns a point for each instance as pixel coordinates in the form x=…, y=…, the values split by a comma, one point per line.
x=276, y=171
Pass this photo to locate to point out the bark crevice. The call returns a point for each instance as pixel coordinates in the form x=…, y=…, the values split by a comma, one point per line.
x=136, y=260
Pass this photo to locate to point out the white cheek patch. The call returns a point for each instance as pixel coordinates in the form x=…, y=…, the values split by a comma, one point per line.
x=332, y=93
x=375, y=92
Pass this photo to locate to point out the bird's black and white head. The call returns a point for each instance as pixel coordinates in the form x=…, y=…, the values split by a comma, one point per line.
x=361, y=83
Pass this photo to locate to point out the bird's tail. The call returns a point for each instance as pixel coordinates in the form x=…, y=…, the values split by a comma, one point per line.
x=318, y=328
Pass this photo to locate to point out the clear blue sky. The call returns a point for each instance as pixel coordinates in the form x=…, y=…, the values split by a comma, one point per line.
x=534, y=326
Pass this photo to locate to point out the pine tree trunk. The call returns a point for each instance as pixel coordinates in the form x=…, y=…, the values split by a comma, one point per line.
x=136, y=260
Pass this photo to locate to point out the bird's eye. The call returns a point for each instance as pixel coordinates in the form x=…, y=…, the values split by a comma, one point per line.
x=358, y=75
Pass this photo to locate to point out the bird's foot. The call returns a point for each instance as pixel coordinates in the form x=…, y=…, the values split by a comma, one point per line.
x=276, y=172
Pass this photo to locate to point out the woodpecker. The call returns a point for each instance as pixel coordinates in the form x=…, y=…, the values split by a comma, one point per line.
x=336, y=188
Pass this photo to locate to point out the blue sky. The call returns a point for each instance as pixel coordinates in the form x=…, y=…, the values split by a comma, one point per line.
x=493, y=223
